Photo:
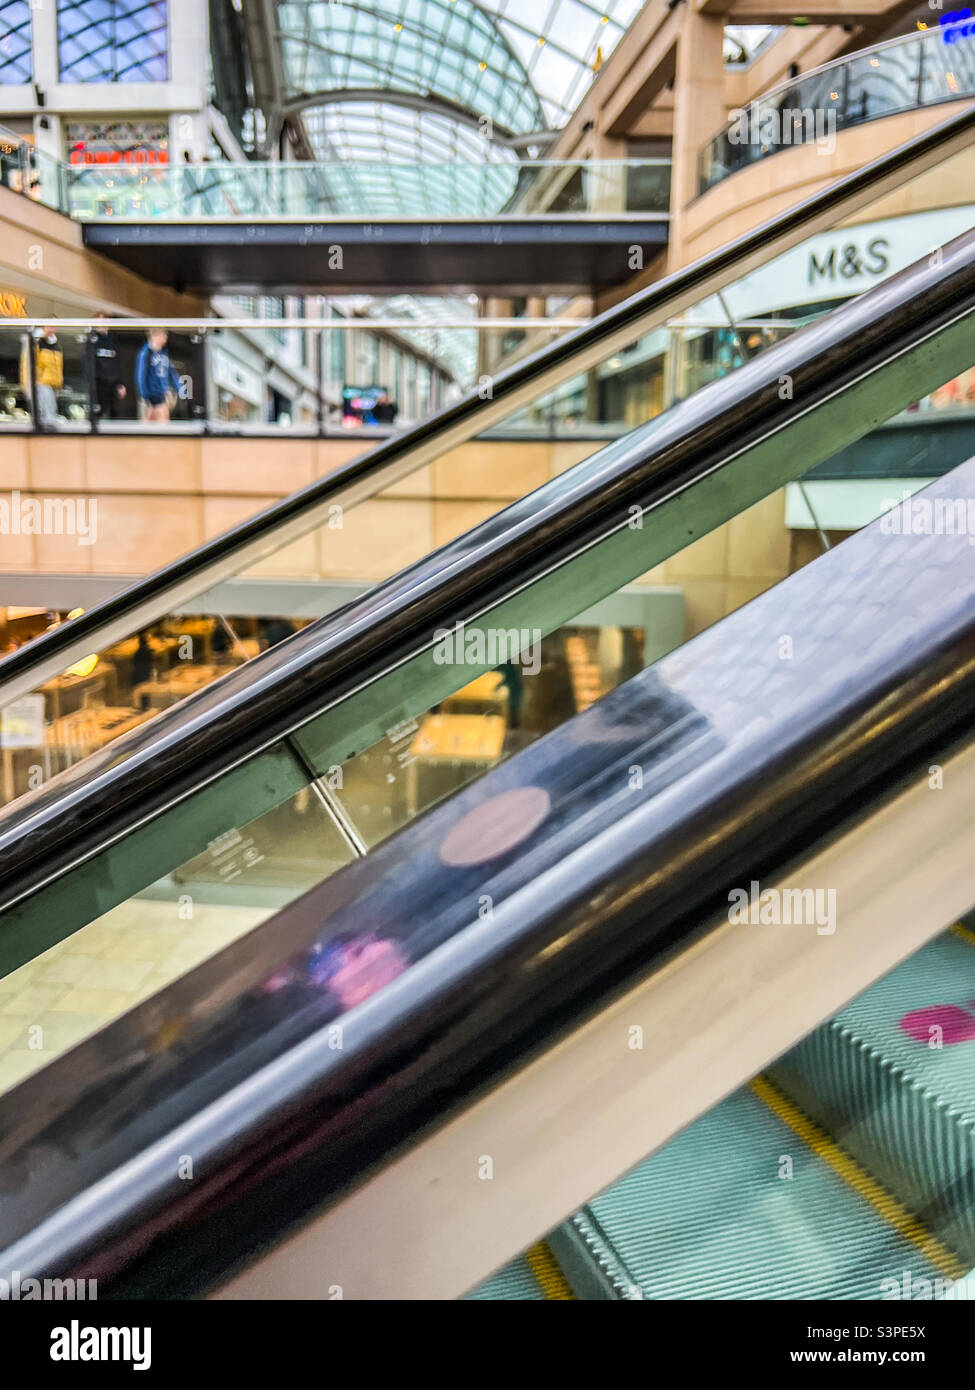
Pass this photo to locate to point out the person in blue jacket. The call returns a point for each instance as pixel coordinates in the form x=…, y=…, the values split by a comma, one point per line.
x=156, y=382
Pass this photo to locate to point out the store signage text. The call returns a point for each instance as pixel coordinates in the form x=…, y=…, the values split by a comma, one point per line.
x=13, y=306
x=849, y=261
x=80, y=155
x=957, y=25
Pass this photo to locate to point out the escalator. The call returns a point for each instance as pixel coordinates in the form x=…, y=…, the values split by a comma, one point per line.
x=844, y=1172
x=173, y=633
x=266, y=1013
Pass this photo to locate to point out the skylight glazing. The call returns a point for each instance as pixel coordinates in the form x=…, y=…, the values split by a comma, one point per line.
x=383, y=160
x=447, y=50
x=15, y=42
x=744, y=42
x=524, y=63
x=562, y=44
x=113, y=40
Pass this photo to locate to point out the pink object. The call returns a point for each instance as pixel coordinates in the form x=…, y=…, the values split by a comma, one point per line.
x=367, y=968
x=495, y=827
x=956, y=1024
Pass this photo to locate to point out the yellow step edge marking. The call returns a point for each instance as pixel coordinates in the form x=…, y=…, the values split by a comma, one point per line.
x=867, y=1187
x=547, y=1272
x=964, y=933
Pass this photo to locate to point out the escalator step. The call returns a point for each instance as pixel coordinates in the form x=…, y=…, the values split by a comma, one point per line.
x=753, y=1201
x=534, y=1275
x=892, y=1076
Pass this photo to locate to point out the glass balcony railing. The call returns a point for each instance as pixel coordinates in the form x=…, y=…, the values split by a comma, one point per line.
x=85, y=378
x=361, y=374
x=339, y=191
x=905, y=74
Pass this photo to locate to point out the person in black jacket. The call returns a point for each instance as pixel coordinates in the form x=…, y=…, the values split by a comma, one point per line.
x=384, y=412
x=109, y=387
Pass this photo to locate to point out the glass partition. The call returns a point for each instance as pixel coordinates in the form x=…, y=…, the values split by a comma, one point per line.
x=417, y=192
x=905, y=74
x=345, y=549
x=423, y=730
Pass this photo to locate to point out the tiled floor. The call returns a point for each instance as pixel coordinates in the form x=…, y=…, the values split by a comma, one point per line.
x=114, y=963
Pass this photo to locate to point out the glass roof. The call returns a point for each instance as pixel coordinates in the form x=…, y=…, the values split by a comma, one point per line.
x=455, y=349
x=383, y=160
x=744, y=42
x=437, y=49
x=524, y=63
x=561, y=43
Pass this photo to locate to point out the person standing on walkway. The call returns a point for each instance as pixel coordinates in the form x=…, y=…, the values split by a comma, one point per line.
x=109, y=387
x=48, y=378
x=155, y=378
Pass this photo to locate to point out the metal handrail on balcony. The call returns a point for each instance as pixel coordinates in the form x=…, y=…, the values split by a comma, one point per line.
x=902, y=74
x=335, y=191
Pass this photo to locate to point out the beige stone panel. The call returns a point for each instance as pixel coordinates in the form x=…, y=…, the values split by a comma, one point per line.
x=946, y=185
x=706, y=558
x=772, y=185
x=332, y=453
x=704, y=604
x=567, y=453
x=299, y=560
x=220, y=513
x=13, y=461
x=57, y=464
x=64, y=555
x=379, y=538
x=758, y=540
x=742, y=591
x=257, y=467
x=149, y=463
x=416, y=484
x=503, y=469
x=137, y=534
x=451, y=519
x=68, y=269
x=804, y=547
x=17, y=555
x=295, y=561
x=658, y=575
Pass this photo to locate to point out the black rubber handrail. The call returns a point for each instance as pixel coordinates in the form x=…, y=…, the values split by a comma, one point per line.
x=234, y=1063
x=159, y=763
x=81, y=634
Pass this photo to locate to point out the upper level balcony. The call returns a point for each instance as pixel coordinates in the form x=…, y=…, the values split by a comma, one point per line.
x=905, y=74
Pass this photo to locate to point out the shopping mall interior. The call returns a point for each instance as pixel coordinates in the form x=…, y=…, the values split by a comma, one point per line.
x=395, y=398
